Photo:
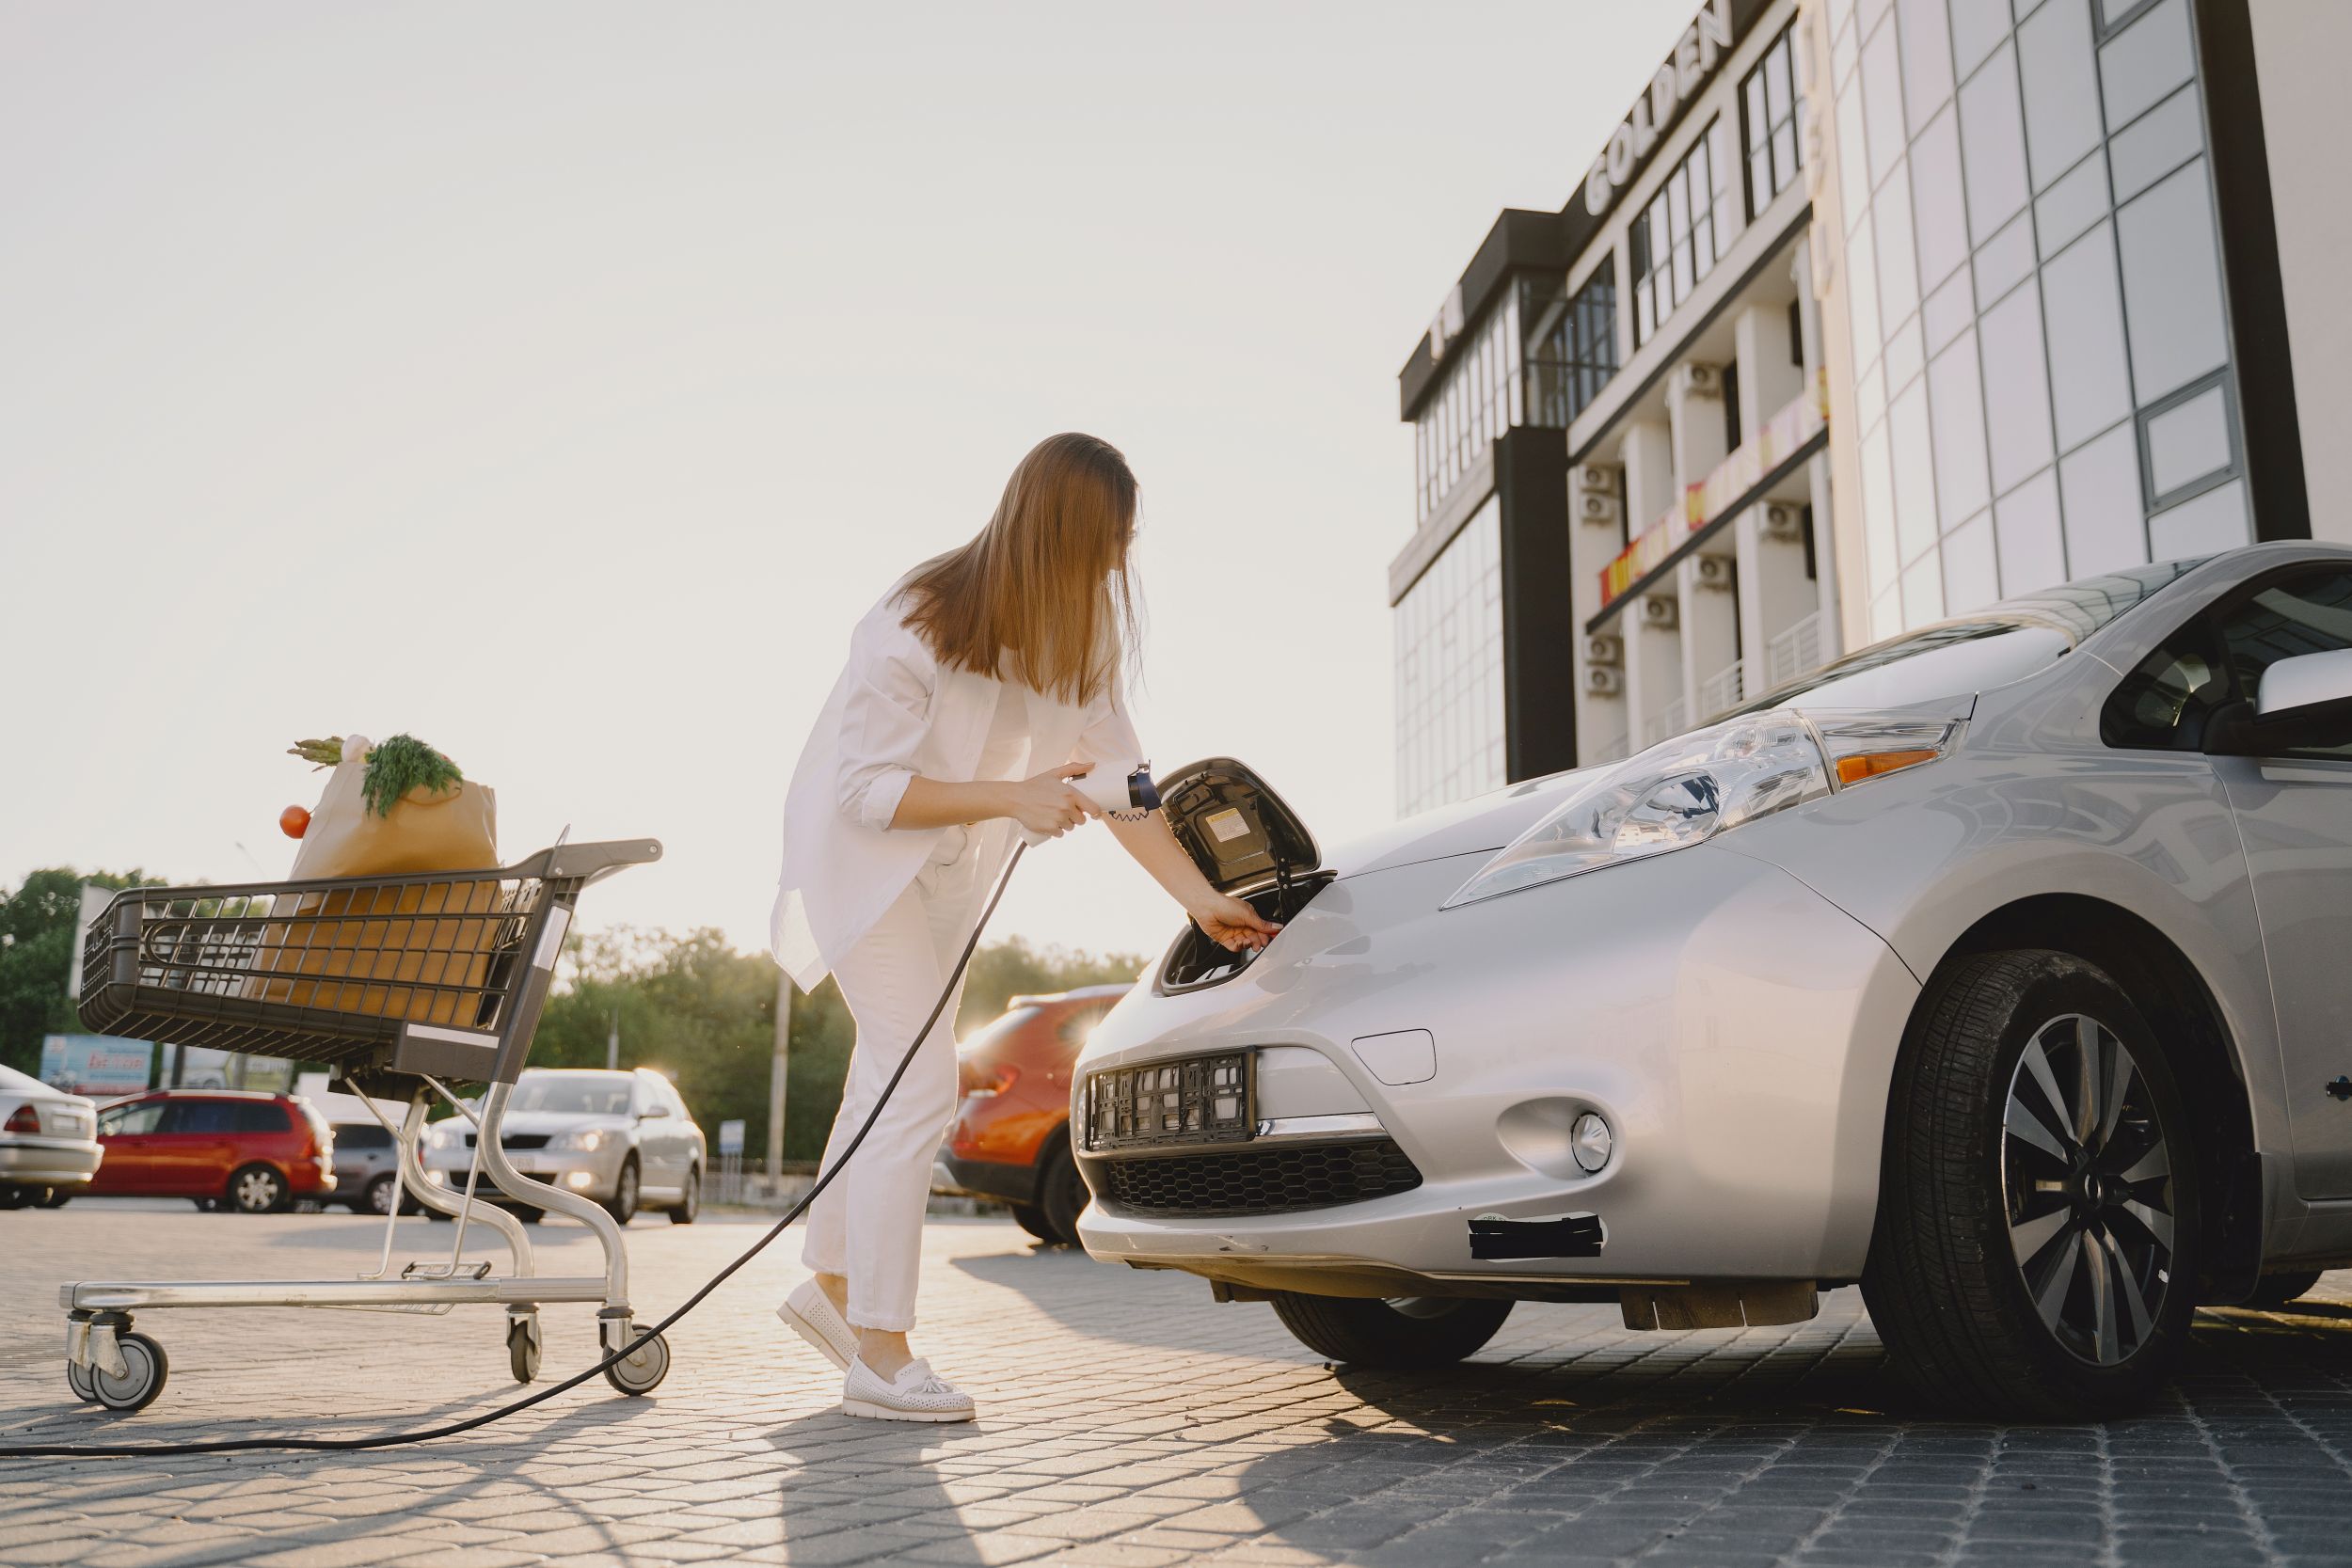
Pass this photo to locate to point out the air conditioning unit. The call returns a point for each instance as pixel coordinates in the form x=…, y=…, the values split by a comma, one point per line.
x=1692, y=379
x=1595, y=508
x=1783, y=522
x=1656, y=611
x=1597, y=478
x=1712, y=571
x=1601, y=648
x=1601, y=681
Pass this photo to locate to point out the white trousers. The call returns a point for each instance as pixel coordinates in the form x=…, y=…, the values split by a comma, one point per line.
x=869, y=1224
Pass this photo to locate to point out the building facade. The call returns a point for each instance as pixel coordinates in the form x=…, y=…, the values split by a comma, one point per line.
x=1869, y=313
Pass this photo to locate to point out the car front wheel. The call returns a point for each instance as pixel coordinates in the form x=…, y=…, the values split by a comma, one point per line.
x=1403, y=1332
x=257, y=1190
x=2038, y=1235
x=623, y=1206
x=689, y=1203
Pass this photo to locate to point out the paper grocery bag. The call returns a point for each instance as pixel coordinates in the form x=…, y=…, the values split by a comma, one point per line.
x=418, y=951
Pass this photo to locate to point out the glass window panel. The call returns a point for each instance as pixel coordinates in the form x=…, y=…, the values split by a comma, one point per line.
x=1883, y=102
x=1870, y=397
x=1972, y=578
x=2072, y=205
x=1759, y=122
x=1779, y=96
x=2159, y=142
x=2146, y=61
x=1992, y=146
x=2189, y=440
x=2091, y=385
x=2061, y=89
x=1862, y=296
x=1887, y=616
x=1786, y=156
x=1956, y=399
x=1853, y=167
x=2202, y=525
x=1923, y=591
x=1927, y=50
x=2173, y=284
x=1898, y=267
x=1915, y=472
x=2016, y=392
x=2006, y=260
x=2026, y=529
x=1978, y=29
x=1906, y=353
x=1937, y=210
x=1877, y=510
x=2099, y=484
x=1948, y=311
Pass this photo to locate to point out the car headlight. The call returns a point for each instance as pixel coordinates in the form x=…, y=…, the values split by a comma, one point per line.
x=1697, y=786
x=442, y=1135
x=587, y=1141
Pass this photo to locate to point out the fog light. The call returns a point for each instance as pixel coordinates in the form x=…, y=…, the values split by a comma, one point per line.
x=582, y=1178
x=1590, y=1140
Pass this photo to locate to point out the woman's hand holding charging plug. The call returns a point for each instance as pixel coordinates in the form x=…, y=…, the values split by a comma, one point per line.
x=1049, y=803
x=1229, y=923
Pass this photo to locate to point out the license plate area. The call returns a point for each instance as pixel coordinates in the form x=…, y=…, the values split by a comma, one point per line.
x=1197, y=1100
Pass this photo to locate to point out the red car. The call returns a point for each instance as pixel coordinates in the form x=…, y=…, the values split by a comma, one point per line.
x=1011, y=1140
x=225, y=1148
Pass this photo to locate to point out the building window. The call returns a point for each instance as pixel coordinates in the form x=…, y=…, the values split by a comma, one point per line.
x=1572, y=347
x=1448, y=670
x=1768, y=108
x=1478, y=399
x=1672, y=243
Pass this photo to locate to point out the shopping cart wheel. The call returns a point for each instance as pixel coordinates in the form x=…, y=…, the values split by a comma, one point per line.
x=144, y=1368
x=522, y=1346
x=78, y=1379
x=643, y=1372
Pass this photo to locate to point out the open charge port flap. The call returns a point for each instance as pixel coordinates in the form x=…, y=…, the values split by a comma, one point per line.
x=1493, y=1236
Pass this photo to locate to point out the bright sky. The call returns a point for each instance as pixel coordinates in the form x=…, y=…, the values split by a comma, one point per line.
x=558, y=381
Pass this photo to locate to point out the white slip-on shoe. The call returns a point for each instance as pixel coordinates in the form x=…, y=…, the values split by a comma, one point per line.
x=809, y=1313
x=916, y=1394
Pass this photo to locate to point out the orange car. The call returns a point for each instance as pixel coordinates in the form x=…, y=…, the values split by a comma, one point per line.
x=1011, y=1140
x=225, y=1148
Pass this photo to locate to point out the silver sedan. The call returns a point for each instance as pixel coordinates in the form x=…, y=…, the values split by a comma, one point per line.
x=2000, y=967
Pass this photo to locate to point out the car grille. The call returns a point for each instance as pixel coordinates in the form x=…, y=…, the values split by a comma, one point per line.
x=1266, y=1180
x=514, y=1141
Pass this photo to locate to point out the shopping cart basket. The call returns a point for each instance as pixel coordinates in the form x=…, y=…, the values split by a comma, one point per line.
x=404, y=987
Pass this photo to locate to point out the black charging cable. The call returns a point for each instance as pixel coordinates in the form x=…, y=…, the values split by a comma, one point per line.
x=393, y=1439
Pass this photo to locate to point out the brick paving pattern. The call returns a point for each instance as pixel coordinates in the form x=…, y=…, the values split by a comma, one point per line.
x=1126, y=1422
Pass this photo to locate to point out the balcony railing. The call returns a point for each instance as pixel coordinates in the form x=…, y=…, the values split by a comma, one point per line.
x=1721, y=692
x=1794, y=652
x=1798, y=421
x=1616, y=749
x=1674, y=720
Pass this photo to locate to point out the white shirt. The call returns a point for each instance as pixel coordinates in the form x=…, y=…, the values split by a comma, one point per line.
x=896, y=713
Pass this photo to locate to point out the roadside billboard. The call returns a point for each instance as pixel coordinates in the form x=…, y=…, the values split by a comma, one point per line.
x=95, y=1065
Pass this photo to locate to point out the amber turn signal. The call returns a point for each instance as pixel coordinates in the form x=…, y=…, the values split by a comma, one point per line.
x=1870, y=765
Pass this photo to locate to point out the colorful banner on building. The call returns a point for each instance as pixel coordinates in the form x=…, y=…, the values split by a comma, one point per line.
x=95, y=1065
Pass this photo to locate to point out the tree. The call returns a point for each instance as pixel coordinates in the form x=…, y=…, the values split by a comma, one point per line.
x=39, y=925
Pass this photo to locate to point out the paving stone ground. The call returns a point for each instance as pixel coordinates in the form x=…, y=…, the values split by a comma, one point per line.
x=1126, y=1423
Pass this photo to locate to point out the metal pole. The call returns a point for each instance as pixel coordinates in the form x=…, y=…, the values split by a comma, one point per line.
x=612, y=1042
x=776, y=1068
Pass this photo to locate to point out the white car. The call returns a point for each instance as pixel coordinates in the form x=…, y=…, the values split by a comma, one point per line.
x=2004, y=967
x=623, y=1139
x=48, y=1143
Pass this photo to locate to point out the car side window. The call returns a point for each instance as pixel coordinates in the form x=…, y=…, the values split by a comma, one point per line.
x=258, y=1116
x=2305, y=614
x=129, y=1119
x=353, y=1135
x=201, y=1115
x=2162, y=706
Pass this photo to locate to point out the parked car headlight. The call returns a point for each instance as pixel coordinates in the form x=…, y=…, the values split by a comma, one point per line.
x=443, y=1135
x=1688, y=789
x=586, y=1141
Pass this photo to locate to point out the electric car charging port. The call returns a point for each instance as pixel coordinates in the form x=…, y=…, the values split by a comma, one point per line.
x=1249, y=843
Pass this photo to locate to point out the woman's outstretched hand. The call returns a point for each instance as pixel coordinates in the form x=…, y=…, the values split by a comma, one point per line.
x=1231, y=924
x=1048, y=804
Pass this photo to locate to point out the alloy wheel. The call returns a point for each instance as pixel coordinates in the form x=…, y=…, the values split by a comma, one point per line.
x=2087, y=1177
x=257, y=1190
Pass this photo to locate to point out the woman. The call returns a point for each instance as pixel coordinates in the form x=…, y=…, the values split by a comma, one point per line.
x=985, y=680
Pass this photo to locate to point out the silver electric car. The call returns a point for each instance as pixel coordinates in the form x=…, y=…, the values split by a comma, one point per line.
x=2004, y=967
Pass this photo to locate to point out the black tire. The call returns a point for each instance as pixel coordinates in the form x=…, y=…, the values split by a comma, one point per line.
x=14, y=1197
x=621, y=1206
x=378, y=1196
x=1061, y=1194
x=1032, y=1219
x=529, y=1215
x=256, y=1188
x=145, y=1368
x=1987, y=1216
x=2283, y=1289
x=1406, y=1332
x=437, y=1218
x=57, y=1198
x=689, y=1205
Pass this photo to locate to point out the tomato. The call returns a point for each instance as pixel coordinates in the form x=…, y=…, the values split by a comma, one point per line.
x=293, y=821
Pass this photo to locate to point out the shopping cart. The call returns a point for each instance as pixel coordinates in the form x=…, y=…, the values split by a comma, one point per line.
x=404, y=985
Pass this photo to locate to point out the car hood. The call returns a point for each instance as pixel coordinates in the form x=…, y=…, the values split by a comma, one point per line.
x=1482, y=823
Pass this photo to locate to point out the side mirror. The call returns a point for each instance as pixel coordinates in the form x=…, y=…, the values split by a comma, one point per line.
x=652, y=1111
x=2302, y=702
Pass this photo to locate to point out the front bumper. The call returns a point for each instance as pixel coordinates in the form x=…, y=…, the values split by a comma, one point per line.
x=591, y=1173
x=1735, y=1030
x=36, y=1162
x=995, y=1180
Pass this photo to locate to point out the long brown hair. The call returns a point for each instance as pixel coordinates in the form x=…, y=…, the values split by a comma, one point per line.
x=1047, y=579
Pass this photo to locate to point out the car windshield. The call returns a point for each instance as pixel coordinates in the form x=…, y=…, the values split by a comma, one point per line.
x=578, y=1094
x=1992, y=647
